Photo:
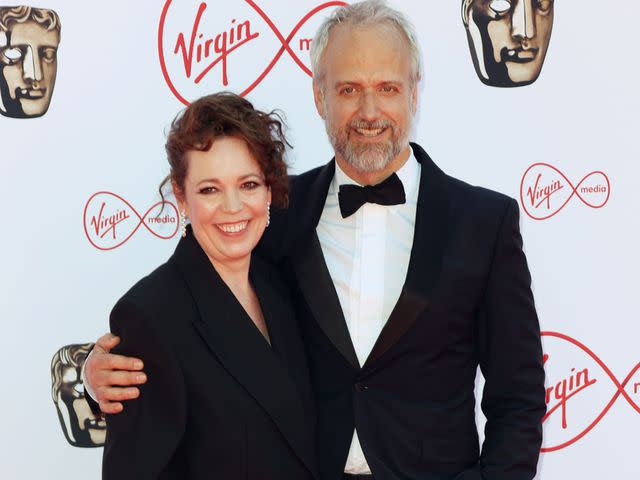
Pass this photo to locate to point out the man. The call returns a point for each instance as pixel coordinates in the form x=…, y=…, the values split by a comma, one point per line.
x=402, y=287
x=81, y=427
x=508, y=39
x=29, y=39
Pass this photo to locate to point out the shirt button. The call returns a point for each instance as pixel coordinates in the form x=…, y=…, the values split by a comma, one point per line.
x=360, y=387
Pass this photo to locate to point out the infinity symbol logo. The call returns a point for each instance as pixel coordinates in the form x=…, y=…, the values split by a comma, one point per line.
x=545, y=190
x=110, y=221
x=579, y=383
x=209, y=44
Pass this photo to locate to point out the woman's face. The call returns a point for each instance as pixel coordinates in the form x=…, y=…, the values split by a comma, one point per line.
x=225, y=198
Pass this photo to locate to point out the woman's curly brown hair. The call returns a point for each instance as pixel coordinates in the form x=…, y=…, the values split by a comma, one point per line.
x=226, y=114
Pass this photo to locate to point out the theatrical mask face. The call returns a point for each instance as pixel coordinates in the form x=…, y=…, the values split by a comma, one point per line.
x=81, y=427
x=508, y=39
x=28, y=66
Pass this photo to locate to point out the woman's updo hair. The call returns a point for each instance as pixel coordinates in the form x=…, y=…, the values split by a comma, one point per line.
x=222, y=115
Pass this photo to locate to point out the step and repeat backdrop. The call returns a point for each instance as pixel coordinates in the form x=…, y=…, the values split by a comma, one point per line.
x=537, y=99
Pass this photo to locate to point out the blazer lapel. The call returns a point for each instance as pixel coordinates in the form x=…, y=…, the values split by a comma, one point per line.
x=235, y=341
x=284, y=333
x=425, y=264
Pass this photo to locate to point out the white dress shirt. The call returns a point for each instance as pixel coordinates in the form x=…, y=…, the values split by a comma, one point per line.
x=367, y=255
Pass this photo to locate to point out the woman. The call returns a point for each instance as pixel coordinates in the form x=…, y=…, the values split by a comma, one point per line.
x=227, y=395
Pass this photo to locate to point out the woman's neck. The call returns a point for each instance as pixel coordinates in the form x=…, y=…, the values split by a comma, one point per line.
x=235, y=274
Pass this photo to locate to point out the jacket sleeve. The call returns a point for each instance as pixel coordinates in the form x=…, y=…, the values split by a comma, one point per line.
x=510, y=354
x=143, y=439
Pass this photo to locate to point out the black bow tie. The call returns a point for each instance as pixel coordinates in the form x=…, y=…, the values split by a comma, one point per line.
x=352, y=197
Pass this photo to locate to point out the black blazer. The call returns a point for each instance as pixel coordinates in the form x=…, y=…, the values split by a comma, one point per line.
x=219, y=402
x=466, y=302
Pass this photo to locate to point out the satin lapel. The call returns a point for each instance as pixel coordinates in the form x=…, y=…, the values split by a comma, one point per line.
x=308, y=198
x=425, y=264
x=235, y=341
x=320, y=293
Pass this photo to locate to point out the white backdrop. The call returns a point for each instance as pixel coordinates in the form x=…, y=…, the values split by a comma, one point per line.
x=105, y=132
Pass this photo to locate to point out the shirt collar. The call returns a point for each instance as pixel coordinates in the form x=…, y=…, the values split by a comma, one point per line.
x=409, y=175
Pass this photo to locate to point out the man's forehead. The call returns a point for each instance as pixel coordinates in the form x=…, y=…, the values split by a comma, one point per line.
x=349, y=32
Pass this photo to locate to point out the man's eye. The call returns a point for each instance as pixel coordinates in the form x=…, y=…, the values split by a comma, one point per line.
x=347, y=90
x=500, y=6
x=544, y=5
x=48, y=54
x=388, y=89
x=11, y=55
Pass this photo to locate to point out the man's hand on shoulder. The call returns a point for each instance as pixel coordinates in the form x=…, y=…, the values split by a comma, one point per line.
x=108, y=377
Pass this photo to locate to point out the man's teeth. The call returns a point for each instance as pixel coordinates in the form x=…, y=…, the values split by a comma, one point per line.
x=369, y=132
x=233, y=227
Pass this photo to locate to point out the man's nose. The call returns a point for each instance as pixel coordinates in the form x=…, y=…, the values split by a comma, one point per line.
x=523, y=23
x=232, y=202
x=369, y=106
x=32, y=69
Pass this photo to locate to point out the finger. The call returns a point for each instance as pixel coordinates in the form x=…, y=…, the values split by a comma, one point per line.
x=110, y=361
x=111, y=407
x=106, y=342
x=120, y=378
x=117, y=394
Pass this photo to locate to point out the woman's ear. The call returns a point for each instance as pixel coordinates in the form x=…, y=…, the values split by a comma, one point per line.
x=178, y=192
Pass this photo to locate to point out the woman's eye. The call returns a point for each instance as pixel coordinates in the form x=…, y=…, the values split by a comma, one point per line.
x=250, y=185
x=208, y=190
x=500, y=6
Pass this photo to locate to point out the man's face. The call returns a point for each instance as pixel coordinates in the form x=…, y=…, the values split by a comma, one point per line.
x=365, y=95
x=28, y=65
x=509, y=39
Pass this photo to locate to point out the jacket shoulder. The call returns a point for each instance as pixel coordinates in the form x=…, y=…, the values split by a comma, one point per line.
x=480, y=200
x=156, y=294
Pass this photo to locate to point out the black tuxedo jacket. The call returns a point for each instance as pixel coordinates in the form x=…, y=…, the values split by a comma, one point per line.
x=466, y=302
x=219, y=402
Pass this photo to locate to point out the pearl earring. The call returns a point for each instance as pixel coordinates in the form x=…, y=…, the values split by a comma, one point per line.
x=183, y=223
x=268, y=213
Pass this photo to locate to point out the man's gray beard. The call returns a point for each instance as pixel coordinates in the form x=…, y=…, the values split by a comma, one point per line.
x=368, y=157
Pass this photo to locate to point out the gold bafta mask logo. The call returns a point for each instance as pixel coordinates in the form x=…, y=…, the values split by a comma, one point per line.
x=29, y=39
x=81, y=427
x=508, y=39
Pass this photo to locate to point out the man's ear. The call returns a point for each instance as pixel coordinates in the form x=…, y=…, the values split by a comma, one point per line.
x=318, y=98
x=414, y=98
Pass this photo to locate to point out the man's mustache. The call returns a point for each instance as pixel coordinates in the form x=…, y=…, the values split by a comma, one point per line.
x=375, y=125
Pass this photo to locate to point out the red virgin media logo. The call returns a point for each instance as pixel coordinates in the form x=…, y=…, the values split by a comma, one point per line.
x=206, y=46
x=581, y=389
x=110, y=221
x=545, y=190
